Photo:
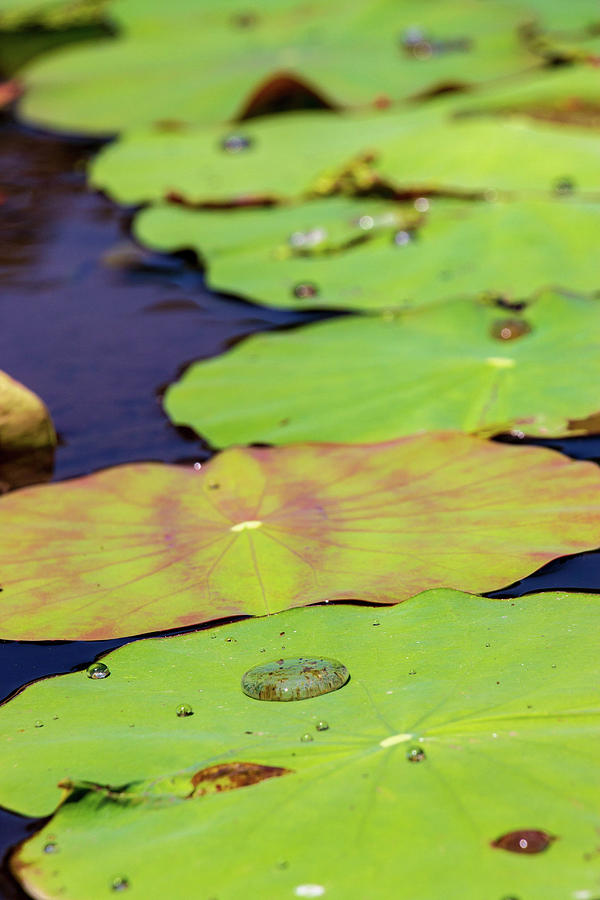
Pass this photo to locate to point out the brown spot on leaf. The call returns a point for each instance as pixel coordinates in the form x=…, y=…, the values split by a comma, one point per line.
x=247, y=200
x=510, y=329
x=281, y=93
x=10, y=91
x=231, y=776
x=590, y=424
x=525, y=840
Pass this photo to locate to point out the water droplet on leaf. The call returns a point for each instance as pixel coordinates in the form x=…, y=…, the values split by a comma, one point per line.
x=294, y=679
x=322, y=726
x=305, y=290
x=97, y=671
x=402, y=238
x=415, y=754
x=184, y=710
x=38, y=724
x=235, y=143
x=120, y=884
x=509, y=329
x=50, y=847
x=526, y=840
x=306, y=737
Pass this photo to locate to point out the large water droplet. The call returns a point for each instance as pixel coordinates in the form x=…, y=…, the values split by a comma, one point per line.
x=235, y=143
x=120, y=884
x=525, y=840
x=415, y=754
x=305, y=290
x=294, y=679
x=184, y=710
x=509, y=329
x=98, y=670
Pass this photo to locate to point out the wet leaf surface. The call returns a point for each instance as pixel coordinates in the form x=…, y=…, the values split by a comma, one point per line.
x=375, y=378
x=355, y=56
x=499, y=711
x=426, y=149
x=143, y=547
x=363, y=254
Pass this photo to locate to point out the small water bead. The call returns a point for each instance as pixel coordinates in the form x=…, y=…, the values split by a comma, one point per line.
x=235, y=143
x=307, y=239
x=97, y=671
x=509, y=329
x=50, y=847
x=184, y=711
x=402, y=238
x=305, y=290
x=415, y=754
x=120, y=884
x=294, y=679
x=421, y=204
x=322, y=726
x=526, y=840
x=306, y=737
x=38, y=724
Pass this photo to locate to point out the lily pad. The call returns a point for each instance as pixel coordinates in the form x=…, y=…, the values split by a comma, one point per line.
x=473, y=365
x=288, y=156
x=365, y=254
x=202, y=62
x=145, y=547
x=50, y=14
x=447, y=743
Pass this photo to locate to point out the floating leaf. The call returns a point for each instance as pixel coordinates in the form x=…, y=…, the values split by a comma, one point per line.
x=324, y=153
x=144, y=547
x=459, y=364
x=360, y=54
x=465, y=721
x=50, y=14
x=362, y=254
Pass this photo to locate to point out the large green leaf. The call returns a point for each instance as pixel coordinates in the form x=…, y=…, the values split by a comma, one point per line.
x=143, y=547
x=199, y=62
x=497, y=699
x=321, y=152
x=361, y=254
x=472, y=365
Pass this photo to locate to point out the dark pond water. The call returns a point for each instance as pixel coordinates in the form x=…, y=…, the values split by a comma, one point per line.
x=97, y=342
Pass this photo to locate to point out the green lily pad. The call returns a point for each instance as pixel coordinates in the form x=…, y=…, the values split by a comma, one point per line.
x=566, y=96
x=146, y=547
x=50, y=14
x=322, y=153
x=467, y=726
x=472, y=365
x=365, y=254
x=202, y=62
